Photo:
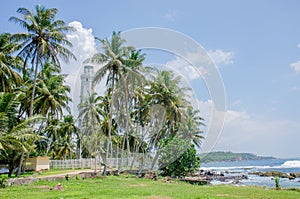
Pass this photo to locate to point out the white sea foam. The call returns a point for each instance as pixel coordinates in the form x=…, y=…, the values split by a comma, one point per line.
x=287, y=164
x=291, y=164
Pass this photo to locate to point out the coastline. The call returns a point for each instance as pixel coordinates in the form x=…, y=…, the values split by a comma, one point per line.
x=258, y=172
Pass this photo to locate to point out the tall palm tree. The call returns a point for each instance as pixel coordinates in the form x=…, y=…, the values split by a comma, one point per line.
x=90, y=116
x=45, y=40
x=113, y=59
x=165, y=91
x=8, y=64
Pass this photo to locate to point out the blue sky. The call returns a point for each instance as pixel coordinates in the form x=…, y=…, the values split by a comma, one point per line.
x=254, y=44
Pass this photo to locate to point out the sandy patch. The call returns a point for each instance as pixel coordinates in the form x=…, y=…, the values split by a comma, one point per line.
x=137, y=185
x=222, y=195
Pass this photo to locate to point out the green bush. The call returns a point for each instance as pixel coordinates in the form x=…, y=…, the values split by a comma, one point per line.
x=3, y=180
x=277, y=182
x=186, y=163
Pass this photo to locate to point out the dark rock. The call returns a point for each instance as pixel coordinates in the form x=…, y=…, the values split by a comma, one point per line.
x=273, y=174
x=295, y=174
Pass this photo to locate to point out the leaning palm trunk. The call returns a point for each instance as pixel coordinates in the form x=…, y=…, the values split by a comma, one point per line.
x=142, y=165
x=109, y=126
x=31, y=107
x=122, y=155
x=127, y=123
x=155, y=159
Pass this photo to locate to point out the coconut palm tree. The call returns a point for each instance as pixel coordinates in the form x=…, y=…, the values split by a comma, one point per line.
x=90, y=117
x=165, y=91
x=52, y=94
x=44, y=41
x=190, y=126
x=113, y=59
x=16, y=134
x=8, y=64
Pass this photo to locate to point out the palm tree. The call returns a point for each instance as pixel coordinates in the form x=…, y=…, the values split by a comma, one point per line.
x=52, y=94
x=190, y=126
x=8, y=64
x=113, y=59
x=165, y=91
x=90, y=117
x=44, y=41
x=16, y=134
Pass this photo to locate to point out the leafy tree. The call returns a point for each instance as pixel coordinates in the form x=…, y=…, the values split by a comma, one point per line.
x=187, y=162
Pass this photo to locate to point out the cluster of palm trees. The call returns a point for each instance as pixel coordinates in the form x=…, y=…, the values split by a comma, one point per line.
x=142, y=110
x=34, y=97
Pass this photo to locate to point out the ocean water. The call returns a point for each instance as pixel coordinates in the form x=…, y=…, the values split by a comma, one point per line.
x=246, y=167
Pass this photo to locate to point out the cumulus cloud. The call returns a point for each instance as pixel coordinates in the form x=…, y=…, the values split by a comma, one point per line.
x=296, y=66
x=83, y=47
x=244, y=132
x=221, y=57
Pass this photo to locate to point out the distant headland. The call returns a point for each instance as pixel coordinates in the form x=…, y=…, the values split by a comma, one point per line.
x=221, y=156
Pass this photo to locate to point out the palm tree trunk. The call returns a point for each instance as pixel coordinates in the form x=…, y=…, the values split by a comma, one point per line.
x=31, y=107
x=109, y=124
x=127, y=122
x=122, y=154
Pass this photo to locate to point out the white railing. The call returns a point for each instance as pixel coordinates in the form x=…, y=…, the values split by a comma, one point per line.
x=91, y=163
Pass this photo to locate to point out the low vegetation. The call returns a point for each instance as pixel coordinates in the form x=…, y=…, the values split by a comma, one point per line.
x=132, y=187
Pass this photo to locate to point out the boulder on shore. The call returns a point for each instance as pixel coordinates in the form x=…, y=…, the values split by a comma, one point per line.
x=273, y=174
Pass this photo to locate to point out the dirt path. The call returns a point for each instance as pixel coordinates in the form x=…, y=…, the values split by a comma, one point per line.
x=65, y=173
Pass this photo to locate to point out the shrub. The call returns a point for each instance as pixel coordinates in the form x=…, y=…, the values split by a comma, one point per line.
x=277, y=183
x=3, y=181
x=186, y=163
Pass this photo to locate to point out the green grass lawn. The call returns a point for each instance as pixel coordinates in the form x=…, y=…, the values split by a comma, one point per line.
x=131, y=187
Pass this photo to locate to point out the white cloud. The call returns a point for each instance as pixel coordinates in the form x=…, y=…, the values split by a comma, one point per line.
x=244, y=132
x=249, y=133
x=296, y=66
x=221, y=57
x=83, y=47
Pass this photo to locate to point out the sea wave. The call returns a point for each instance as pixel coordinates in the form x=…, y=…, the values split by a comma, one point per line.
x=285, y=165
x=291, y=164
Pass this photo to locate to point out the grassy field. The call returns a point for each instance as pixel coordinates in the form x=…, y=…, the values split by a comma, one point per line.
x=131, y=187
